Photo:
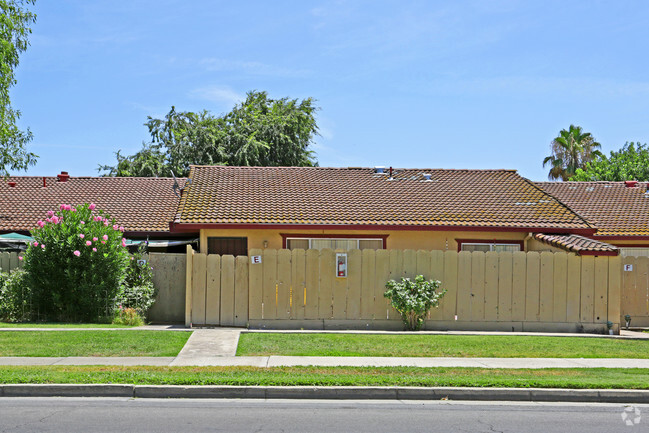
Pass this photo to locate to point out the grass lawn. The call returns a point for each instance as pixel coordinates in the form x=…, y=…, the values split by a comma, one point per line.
x=619, y=378
x=92, y=343
x=60, y=325
x=487, y=346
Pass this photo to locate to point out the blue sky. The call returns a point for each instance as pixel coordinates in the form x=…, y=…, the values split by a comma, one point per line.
x=425, y=84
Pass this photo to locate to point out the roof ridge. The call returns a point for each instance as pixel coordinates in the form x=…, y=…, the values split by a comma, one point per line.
x=352, y=168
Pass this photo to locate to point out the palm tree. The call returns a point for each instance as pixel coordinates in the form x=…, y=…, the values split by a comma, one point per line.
x=571, y=150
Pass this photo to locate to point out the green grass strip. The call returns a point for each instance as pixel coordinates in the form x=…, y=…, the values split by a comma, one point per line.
x=92, y=343
x=60, y=325
x=481, y=346
x=613, y=378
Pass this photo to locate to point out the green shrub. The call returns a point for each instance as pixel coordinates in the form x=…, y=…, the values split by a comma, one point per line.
x=137, y=291
x=15, y=297
x=128, y=317
x=413, y=299
x=76, y=265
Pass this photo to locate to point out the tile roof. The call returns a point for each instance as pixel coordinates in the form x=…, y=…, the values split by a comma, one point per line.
x=139, y=204
x=575, y=243
x=359, y=196
x=613, y=208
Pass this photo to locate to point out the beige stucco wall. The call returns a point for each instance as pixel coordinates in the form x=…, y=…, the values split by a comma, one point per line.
x=397, y=239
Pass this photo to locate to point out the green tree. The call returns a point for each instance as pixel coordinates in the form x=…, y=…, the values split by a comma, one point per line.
x=257, y=132
x=571, y=149
x=15, y=20
x=631, y=162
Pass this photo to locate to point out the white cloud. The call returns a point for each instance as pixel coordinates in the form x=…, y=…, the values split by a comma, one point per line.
x=217, y=94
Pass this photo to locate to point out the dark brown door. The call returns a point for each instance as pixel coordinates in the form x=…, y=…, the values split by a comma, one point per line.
x=222, y=246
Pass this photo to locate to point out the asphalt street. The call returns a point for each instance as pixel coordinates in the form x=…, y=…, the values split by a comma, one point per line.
x=177, y=415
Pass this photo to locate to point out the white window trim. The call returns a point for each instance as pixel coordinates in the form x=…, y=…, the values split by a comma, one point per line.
x=334, y=239
x=492, y=245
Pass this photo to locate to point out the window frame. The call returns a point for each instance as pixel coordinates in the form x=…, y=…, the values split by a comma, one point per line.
x=333, y=236
x=490, y=242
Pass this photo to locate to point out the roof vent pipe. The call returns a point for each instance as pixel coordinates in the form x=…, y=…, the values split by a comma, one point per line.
x=63, y=177
x=390, y=174
x=11, y=184
x=44, y=182
x=630, y=183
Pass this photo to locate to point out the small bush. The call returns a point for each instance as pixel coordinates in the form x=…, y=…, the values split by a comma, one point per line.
x=137, y=291
x=128, y=317
x=413, y=299
x=15, y=297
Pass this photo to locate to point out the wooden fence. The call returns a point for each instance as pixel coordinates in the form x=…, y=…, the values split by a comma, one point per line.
x=503, y=291
x=635, y=290
x=10, y=261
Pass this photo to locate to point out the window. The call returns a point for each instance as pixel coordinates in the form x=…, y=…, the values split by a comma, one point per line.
x=634, y=251
x=334, y=243
x=233, y=246
x=499, y=246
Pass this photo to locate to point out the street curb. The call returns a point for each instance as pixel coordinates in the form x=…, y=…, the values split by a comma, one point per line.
x=327, y=392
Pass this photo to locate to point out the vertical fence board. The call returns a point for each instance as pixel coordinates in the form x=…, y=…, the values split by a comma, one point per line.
x=641, y=286
x=464, y=286
x=189, y=286
x=340, y=285
x=532, y=287
x=4, y=262
x=601, y=290
x=255, y=290
x=269, y=285
x=587, y=288
x=327, y=272
x=354, y=281
x=227, y=290
x=505, y=279
x=284, y=284
x=491, y=286
x=241, y=291
x=546, y=287
x=368, y=281
x=437, y=273
x=573, y=289
x=199, y=277
x=450, y=282
x=312, y=288
x=559, y=284
x=213, y=293
x=614, y=289
x=423, y=264
x=298, y=277
x=519, y=283
x=477, y=285
x=382, y=275
x=397, y=267
x=409, y=264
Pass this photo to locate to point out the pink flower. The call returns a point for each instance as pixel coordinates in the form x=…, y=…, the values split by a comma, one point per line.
x=82, y=222
x=131, y=257
x=92, y=206
x=123, y=242
x=81, y=235
x=98, y=218
x=95, y=239
x=115, y=227
x=49, y=220
x=121, y=228
x=40, y=224
x=43, y=246
x=105, y=237
x=20, y=258
x=62, y=207
x=103, y=242
x=50, y=213
x=88, y=243
x=74, y=209
x=76, y=253
x=68, y=207
x=35, y=243
x=94, y=249
x=55, y=219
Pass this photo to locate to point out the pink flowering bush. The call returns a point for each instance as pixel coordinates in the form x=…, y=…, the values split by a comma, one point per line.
x=73, y=278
